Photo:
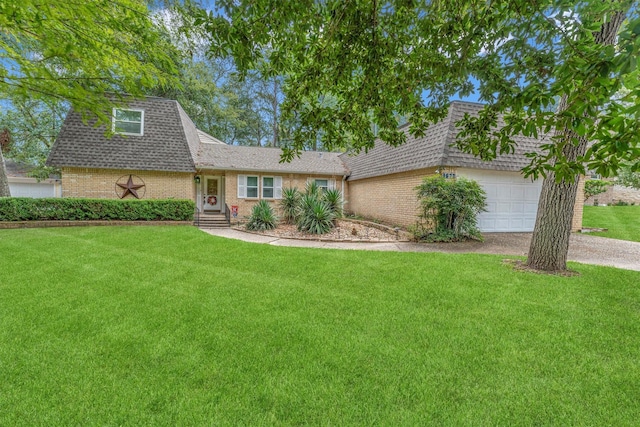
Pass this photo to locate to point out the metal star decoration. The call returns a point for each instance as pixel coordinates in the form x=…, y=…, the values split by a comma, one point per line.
x=130, y=188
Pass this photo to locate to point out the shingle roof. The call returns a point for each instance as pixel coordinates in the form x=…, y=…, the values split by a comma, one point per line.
x=434, y=149
x=224, y=156
x=169, y=141
x=205, y=138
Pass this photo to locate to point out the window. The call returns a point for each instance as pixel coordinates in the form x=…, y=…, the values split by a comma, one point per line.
x=267, y=187
x=248, y=187
x=128, y=122
x=252, y=186
x=324, y=183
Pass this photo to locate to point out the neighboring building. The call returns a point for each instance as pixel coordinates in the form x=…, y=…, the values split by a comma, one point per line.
x=22, y=185
x=615, y=193
x=157, y=149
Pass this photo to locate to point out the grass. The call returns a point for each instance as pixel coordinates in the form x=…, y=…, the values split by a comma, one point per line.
x=170, y=326
x=622, y=222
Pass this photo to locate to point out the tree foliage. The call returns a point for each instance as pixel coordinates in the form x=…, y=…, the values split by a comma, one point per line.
x=449, y=209
x=76, y=51
x=375, y=61
x=593, y=187
x=32, y=126
x=628, y=177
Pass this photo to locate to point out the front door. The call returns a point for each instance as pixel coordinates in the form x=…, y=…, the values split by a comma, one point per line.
x=212, y=199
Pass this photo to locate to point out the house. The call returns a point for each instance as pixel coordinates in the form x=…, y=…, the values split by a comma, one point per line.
x=157, y=152
x=382, y=182
x=157, y=148
x=22, y=185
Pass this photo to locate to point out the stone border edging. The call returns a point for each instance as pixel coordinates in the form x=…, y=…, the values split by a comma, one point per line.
x=380, y=227
x=401, y=234
x=64, y=223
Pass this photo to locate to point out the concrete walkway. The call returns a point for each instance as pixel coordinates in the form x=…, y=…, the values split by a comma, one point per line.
x=583, y=248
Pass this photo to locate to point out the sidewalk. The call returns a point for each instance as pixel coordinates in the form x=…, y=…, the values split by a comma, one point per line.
x=583, y=248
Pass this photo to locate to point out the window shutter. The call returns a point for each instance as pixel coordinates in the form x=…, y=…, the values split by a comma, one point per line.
x=242, y=186
x=277, y=187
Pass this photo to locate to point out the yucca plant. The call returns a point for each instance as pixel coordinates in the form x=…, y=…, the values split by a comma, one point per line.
x=316, y=217
x=333, y=198
x=312, y=189
x=289, y=205
x=262, y=217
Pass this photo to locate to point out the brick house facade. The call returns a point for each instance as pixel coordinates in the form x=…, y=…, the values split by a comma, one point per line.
x=157, y=143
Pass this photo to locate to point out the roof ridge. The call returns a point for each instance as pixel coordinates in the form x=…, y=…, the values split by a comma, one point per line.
x=181, y=116
x=449, y=136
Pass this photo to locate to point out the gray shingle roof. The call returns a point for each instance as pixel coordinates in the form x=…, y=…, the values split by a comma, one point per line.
x=434, y=149
x=216, y=156
x=205, y=138
x=169, y=141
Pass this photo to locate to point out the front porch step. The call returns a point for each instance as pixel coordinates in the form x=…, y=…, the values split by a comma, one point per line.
x=212, y=221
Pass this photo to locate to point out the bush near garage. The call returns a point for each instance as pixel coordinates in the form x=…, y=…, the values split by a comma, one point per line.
x=449, y=209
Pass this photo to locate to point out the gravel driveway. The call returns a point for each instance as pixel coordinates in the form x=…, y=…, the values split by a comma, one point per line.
x=583, y=248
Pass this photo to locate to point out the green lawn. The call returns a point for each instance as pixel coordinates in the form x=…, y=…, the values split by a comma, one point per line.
x=170, y=326
x=622, y=222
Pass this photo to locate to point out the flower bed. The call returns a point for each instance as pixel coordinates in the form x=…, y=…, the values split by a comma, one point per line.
x=345, y=230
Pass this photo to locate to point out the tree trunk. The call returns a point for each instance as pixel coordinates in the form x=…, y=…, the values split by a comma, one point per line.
x=550, y=242
x=274, y=106
x=4, y=181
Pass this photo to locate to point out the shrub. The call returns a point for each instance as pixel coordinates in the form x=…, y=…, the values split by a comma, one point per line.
x=623, y=203
x=61, y=209
x=316, y=216
x=262, y=217
x=312, y=189
x=449, y=209
x=593, y=187
x=333, y=198
x=289, y=205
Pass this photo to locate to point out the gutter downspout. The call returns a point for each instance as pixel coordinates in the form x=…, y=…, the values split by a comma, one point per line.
x=344, y=178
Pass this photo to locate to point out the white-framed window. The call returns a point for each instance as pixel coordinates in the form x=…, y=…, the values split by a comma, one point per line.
x=324, y=183
x=267, y=187
x=254, y=186
x=128, y=122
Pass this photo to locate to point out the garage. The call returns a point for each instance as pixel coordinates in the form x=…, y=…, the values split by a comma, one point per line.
x=29, y=187
x=512, y=201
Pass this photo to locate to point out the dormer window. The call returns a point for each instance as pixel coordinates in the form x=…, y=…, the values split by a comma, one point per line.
x=128, y=122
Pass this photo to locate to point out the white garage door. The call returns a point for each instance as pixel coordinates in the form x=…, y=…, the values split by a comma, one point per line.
x=41, y=189
x=512, y=201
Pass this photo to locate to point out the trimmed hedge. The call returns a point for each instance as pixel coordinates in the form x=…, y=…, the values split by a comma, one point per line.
x=27, y=209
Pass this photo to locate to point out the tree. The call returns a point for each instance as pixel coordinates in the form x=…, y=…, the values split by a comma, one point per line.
x=4, y=182
x=593, y=187
x=381, y=61
x=32, y=126
x=628, y=178
x=78, y=51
